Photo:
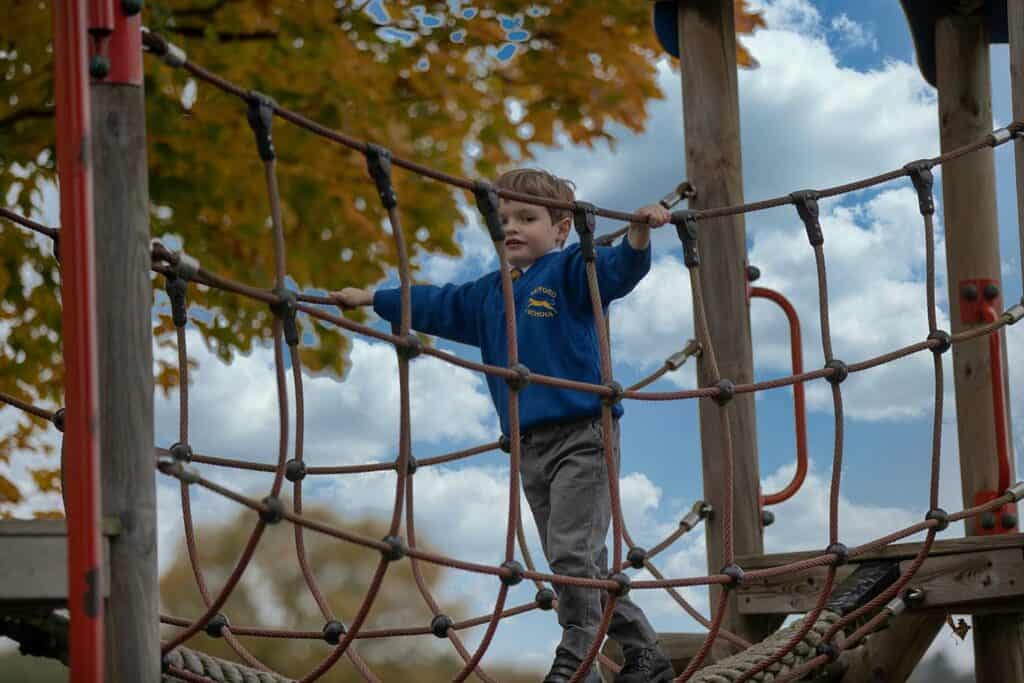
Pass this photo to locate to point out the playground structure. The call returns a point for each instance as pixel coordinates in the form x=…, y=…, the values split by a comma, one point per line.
x=751, y=591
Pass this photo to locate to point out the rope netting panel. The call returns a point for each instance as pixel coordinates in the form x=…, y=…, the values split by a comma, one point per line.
x=786, y=656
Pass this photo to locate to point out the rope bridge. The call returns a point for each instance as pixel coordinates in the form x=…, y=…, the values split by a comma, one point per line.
x=803, y=647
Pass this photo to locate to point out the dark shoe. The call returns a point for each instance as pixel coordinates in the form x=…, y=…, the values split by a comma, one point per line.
x=565, y=666
x=645, y=665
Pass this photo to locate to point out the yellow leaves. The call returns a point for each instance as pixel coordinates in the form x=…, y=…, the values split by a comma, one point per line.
x=430, y=100
x=9, y=493
x=47, y=481
x=747, y=21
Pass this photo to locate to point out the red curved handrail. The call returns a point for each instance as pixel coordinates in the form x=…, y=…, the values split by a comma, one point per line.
x=799, y=404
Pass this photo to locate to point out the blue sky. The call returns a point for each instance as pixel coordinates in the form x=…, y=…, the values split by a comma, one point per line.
x=837, y=97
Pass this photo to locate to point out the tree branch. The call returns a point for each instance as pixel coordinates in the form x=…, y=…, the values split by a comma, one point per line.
x=223, y=36
x=29, y=113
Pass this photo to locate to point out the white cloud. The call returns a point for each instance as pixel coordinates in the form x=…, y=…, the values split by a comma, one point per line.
x=853, y=34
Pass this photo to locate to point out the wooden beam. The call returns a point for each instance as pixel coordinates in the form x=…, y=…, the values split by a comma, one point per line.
x=972, y=252
x=892, y=654
x=124, y=300
x=895, y=551
x=975, y=582
x=34, y=565
x=713, y=162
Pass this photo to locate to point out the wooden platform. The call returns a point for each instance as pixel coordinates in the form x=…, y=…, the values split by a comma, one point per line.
x=977, y=575
x=33, y=562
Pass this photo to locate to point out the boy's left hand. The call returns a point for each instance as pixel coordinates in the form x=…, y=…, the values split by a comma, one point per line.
x=656, y=214
x=639, y=234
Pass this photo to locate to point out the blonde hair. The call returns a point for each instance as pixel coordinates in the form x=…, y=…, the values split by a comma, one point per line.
x=538, y=182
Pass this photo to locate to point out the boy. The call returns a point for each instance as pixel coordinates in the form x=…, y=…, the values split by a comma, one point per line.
x=563, y=467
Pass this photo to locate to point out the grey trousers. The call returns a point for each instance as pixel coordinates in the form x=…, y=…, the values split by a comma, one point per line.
x=565, y=479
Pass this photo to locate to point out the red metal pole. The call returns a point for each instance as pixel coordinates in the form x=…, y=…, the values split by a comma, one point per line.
x=85, y=598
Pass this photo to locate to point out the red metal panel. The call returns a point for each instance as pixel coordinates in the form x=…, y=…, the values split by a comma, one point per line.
x=983, y=306
x=101, y=16
x=125, y=50
x=81, y=431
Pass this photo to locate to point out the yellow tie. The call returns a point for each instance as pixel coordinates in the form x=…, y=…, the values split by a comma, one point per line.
x=516, y=274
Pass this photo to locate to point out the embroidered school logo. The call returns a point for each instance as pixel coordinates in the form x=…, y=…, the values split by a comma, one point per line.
x=542, y=303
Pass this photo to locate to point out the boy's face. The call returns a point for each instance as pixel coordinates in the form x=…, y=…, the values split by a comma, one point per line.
x=529, y=232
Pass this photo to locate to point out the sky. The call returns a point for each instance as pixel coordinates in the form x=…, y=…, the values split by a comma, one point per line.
x=837, y=97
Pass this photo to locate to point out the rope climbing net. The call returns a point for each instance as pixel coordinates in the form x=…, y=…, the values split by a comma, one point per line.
x=829, y=633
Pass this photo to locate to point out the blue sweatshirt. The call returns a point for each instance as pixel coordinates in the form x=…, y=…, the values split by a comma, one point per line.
x=554, y=322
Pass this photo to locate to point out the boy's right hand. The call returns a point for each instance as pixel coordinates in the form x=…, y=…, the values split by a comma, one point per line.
x=352, y=297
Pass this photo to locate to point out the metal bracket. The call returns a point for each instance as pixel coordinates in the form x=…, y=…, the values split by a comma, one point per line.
x=1002, y=520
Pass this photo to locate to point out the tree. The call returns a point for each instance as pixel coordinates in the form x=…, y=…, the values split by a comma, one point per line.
x=462, y=89
x=273, y=594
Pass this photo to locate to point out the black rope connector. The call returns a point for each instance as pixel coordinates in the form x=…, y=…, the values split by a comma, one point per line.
x=396, y=548
x=839, y=371
x=378, y=163
x=735, y=574
x=411, y=346
x=767, y=518
x=487, y=201
x=181, y=452
x=333, y=631
x=216, y=625
x=440, y=624
x=261, y=120
x=941, y=516
x=584, y=218
x=177, y=288
x=272, y=511
x=686, y=228
x=284, y=308
x=505, y=443
x=99, y=66
x=295, y=470
x=411, y=465
x=521, y=379
x=636, y=557
x=921, y=176
x=131, y=7
x=753, y=273
x=624, y=584
x=726, y=391
x=841, y=552
x=545, y=599
x=616, y=395
x=945, y=341
x=512, y=574
x=58, y=419
x=828, y=649
x=806, y=202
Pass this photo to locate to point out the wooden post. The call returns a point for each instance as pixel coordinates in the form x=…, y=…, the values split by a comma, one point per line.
x=1015, y=22
x=707, y=43
x=124, y=301
x=972, y=252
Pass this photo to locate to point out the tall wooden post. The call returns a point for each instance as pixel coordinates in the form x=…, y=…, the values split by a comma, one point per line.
x=707, y=42
x=124, y=301
x=1015, y=24
x=972, y=254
